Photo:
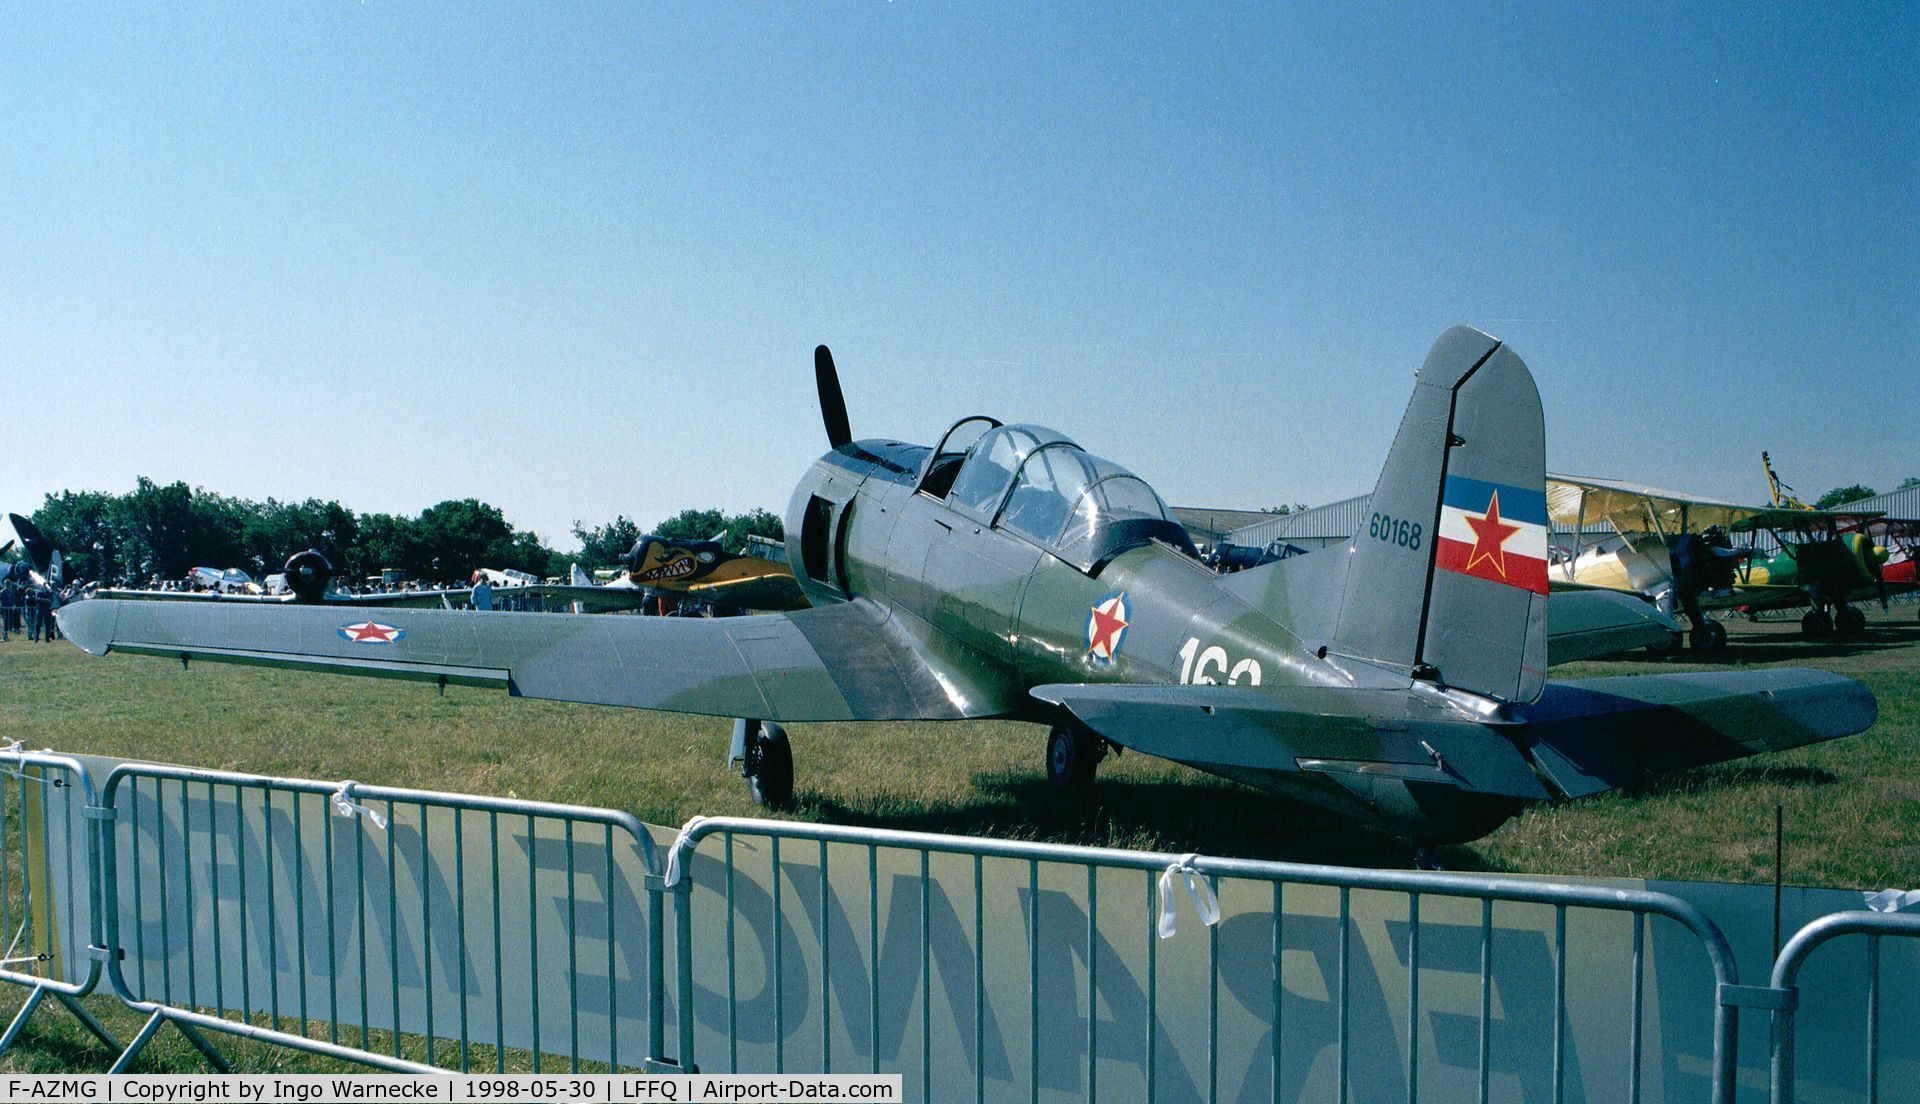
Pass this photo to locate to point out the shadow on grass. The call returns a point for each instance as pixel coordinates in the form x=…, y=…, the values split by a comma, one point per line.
x=1774, y=648
x=1737, y=776
x=1169, y=815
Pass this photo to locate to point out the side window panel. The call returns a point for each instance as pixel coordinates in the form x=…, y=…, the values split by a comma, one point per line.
x=1043, y=496
x=988, y=471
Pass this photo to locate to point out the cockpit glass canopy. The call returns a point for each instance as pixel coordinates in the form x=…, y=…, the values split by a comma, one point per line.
x=990, y=465
x=1071, y=502
x=936, y=477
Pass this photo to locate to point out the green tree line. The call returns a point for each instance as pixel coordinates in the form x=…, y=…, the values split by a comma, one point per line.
x=165, y=530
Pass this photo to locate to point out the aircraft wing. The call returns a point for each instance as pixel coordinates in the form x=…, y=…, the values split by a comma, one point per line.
x=593, y=599
x=836, y=663
x=404, y=599
x=1581, y=737
x=1583, y=622
x=1635, y=508
x=777, y=591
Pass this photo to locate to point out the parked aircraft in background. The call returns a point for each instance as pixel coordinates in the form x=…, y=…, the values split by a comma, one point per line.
x=40, y=563
x=308, y=578
x=1901, y=538
x=663, y=572
x=1678, y=550
x=1007, y=572
x=227, y=580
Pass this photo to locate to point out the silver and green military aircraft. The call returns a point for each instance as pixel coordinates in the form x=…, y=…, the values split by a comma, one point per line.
x=1006, y=572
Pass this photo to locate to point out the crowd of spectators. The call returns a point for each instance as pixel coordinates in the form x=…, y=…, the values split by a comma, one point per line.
x=28, y=608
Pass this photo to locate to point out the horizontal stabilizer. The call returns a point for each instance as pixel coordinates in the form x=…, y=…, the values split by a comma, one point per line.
x=1586, y=622
x=1329, y=730
x=1593, y=735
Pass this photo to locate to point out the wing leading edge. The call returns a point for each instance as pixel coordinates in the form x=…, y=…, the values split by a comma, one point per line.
x=844, y=662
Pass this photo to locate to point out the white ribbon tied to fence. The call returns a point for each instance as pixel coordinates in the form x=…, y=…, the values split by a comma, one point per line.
x=1892, y=900
x=344, y=805
x=12, y=750
x=672, y=876
x=1198, y=891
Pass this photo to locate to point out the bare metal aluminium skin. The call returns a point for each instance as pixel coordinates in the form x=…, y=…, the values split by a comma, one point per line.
x=1005, y=572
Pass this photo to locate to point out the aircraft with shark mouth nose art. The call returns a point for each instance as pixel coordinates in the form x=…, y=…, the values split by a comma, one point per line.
x=1007, y=572
x=661, y=572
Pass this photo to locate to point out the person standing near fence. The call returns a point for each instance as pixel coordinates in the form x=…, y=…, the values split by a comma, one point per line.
x=43, y=605
x=9, y=609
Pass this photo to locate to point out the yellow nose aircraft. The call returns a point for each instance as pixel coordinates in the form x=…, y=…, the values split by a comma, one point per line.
x=1678, y=550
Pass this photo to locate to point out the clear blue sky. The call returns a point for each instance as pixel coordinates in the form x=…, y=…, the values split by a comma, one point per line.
x=573, y=259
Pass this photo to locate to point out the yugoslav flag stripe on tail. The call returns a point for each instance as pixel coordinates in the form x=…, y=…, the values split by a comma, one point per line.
x=1494, y=531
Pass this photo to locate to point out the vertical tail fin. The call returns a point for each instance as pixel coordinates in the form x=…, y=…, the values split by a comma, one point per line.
x=1448, y=574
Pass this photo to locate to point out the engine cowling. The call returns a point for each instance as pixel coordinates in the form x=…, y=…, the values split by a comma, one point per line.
x=308, y=574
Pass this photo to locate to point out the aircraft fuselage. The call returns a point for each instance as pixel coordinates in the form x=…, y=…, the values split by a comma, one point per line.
x=999, y=613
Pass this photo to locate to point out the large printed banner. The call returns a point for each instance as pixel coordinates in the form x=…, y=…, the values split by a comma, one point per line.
x=969, y=977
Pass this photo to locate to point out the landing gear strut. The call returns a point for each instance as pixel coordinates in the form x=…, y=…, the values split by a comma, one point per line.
x=1816, y=625
x=768, y=765
x=1072, y=753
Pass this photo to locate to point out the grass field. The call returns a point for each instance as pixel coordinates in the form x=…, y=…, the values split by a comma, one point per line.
x=1852, y=806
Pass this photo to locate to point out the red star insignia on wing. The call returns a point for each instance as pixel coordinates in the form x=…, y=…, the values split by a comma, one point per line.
x=1490, y=537
x=370, y=632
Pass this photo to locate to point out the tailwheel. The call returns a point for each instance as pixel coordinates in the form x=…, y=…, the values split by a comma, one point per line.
x=1072, y=754
x=1816, y=625
x=1851, y=621
x=768, y=766
x=1710, y=636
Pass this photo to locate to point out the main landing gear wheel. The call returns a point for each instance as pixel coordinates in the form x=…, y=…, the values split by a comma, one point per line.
x=1711, y=636
x=1816, y=625
x=1851, y=621
x=769, y=765
x=1072, y=753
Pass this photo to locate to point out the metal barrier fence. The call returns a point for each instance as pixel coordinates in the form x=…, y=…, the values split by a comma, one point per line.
x=1008, y=879
x=49, y=904
x=421, y=931
x=343, y=920
x=1786, y=985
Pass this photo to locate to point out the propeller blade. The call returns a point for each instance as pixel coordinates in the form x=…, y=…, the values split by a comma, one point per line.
x=833, y=405
x=33, y=542
x=6, y=548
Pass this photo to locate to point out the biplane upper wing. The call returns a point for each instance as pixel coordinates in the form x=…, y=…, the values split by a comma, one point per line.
x=837, y=663
x=1635, y=508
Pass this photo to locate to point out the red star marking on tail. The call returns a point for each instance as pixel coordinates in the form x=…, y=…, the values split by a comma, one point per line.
x=1490, y=537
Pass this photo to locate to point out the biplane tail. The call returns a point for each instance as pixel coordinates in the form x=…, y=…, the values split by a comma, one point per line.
x=1447, y=577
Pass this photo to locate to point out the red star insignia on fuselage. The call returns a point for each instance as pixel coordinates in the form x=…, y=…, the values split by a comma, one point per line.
x=1107, y=624
x=1490, y=537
